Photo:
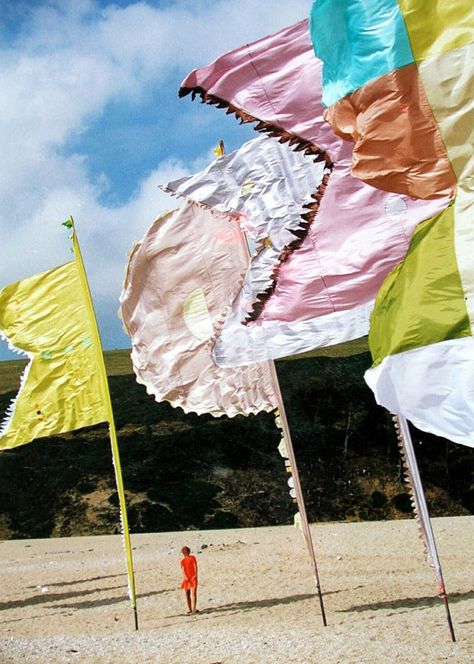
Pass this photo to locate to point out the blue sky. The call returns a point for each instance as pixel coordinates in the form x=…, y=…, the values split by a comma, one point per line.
x=91, y=124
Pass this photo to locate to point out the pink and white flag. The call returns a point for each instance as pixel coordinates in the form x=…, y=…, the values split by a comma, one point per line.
x=318, y=290
x=181, y=278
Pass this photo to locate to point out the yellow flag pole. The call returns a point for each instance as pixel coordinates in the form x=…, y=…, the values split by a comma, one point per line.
x=112, y=431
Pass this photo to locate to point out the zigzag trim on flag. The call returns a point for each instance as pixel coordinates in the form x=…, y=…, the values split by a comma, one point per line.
x=297, y=144
x=5, y=423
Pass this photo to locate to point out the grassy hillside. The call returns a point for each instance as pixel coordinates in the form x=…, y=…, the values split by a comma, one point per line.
x=188, y=471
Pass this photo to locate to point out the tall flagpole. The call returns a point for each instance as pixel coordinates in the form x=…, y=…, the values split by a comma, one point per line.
x=297, y=486
x=111, y=422
x=420, y=509
x=220, y=151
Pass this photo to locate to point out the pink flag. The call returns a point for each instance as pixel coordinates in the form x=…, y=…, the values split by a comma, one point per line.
x=323, y=284
x=180, y=280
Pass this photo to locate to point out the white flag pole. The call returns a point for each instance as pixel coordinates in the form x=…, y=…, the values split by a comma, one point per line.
x=420, y=508
x=291, y=457
x=297, y=486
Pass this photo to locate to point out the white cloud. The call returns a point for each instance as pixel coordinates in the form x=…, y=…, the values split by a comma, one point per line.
x=69, y=60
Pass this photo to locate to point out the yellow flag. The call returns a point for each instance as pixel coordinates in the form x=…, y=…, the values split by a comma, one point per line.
x=47, y=316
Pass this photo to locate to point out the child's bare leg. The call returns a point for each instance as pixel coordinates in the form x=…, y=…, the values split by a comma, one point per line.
x=188, y=600
x=194, y=599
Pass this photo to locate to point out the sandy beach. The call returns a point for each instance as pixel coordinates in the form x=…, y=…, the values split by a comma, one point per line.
x=65, y=600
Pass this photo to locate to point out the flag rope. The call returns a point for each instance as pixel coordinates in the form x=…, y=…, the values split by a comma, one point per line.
x=111, y=421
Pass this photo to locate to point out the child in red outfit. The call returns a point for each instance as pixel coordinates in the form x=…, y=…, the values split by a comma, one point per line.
x=190, y=578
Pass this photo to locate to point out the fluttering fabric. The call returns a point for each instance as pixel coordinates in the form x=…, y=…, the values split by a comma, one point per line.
x=264, y=183
x=266, y=186
x=401, y=106
x=421, y=337
x=395, y=74
x=321, y=292
x=46, y=317
x=180, y=280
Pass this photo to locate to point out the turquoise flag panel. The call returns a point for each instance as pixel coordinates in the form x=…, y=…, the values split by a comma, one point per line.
x=358, y=41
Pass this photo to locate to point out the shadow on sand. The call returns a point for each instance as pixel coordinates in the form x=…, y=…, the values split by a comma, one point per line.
x=257, y=604
x=79, y=581
x=408, y=603
x=48, y=598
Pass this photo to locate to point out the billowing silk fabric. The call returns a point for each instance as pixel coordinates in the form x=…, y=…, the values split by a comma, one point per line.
x=421, y=328
x=421, y=337
x=265, y=185
x=276, y=80
x=325, y=288
x=180, y=279
x=46, y=316
x=398, y=146
x=386, y=98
